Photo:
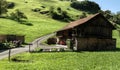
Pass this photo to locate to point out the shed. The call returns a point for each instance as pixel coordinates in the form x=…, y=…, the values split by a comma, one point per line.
x=91, y=33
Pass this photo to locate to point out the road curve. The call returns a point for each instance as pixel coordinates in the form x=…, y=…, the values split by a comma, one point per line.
x=35, y=43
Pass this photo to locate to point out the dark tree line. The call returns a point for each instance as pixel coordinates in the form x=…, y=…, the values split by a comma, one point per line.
x=111, y=16
x=88, y=6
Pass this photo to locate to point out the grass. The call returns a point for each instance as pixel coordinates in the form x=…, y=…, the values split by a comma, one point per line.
x=117, y=37
x=39, y=28
x=84, y=60
x=42, y=24
x=64, y=61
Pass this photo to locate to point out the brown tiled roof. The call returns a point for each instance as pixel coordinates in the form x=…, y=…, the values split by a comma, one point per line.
x=79, y=22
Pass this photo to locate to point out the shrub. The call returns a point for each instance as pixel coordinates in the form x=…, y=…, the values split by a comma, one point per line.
x=18, y=16
x=43, y=6
x=59, y=9
x=10, y=5
x=44, y=12
x=36, y=10
x=51, y=41
x=59, y=14
x=83, y=15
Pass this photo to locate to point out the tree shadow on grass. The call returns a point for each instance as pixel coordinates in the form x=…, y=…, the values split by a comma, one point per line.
x=26, y=23
x=18, y=59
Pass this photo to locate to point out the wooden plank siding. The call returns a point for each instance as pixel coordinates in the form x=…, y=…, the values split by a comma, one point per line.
x=92, y=33
x=93, y=44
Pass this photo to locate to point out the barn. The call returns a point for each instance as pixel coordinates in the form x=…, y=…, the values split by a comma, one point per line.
x=91, y=33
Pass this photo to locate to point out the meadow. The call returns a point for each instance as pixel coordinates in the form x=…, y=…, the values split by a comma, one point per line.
x=83, y=60
x=64, y=61
x=42, y=25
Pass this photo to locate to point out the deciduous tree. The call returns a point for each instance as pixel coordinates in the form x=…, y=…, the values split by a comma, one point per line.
x=3, y=7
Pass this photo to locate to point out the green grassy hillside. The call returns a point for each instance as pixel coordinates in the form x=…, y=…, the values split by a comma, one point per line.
x=42, y=24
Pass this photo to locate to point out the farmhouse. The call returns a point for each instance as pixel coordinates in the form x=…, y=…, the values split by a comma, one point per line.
x=91, y=33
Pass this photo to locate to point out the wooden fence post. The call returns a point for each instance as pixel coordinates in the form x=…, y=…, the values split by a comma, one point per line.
x=30, y=46
x=9, y=54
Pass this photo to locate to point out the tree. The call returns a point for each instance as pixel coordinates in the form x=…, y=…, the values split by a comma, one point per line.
x=18, y=15
x=108, y=14
x=59, y=14
x=3, y=7
x=88, y=6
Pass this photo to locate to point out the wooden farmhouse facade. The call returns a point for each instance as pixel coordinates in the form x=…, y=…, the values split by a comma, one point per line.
x=90, y=33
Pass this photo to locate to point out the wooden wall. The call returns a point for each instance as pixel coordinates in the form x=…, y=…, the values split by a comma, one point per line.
x=93, y=44
x=3, y=38
x=98, y=28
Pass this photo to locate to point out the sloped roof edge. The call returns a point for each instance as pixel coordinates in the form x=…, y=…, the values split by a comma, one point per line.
x=81, y=21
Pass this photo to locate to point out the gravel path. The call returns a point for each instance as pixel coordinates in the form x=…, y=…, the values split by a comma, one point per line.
x=35, y=43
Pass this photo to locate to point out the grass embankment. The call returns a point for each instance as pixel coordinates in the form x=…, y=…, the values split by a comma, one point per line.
x=64, y=61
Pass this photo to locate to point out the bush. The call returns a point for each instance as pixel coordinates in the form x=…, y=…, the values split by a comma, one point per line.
x=59, y=9
x=10, y=5
x=18, y=16
x=83, y=15
x=36, y=10
x=88, y=6
x=44, y=12
x=4, y=46
x=59, y=14
x=51, y=41
x=43, y=6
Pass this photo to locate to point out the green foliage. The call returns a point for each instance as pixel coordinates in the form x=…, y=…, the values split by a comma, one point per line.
x=107, y=14
x=116, y=18
x=111, y=16
x=10, y=5
x=3, y=7
x=59, y=14
x=83, y=15
x=88, y=6
x=17, y=16
x=6, y=45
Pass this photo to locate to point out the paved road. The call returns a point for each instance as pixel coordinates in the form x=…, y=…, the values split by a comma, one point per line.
x=36, y=43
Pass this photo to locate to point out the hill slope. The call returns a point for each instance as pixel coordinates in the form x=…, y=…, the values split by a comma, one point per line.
x=42, y=24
